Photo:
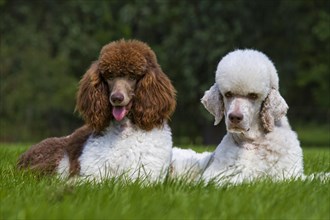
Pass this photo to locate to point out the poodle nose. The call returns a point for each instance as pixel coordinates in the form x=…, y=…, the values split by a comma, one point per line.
x=235, y=117
x=117, y=98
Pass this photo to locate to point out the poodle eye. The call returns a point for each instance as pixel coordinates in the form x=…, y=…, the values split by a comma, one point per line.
x=111, y=77
x=229, y=95
x=252, y=96
x=132, y=77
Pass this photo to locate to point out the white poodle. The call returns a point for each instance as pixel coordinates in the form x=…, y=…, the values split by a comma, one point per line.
x=259, y=140
x=188, y=164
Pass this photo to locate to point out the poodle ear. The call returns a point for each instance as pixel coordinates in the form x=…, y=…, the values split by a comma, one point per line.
x=213, y=102
x=93, y=99
x=273, y=109
x=154, y=100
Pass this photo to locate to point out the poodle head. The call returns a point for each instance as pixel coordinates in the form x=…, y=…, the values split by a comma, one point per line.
x=246, y=93
x=126, y=81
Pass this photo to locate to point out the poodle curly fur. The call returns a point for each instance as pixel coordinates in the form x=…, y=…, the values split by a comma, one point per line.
x=136, y=144
x=259, y=141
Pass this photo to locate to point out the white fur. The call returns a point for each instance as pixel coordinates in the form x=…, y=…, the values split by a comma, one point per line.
x=277, y=156
x=64, y=167
x=188, y=164
x=248, y=152
x=124, y=150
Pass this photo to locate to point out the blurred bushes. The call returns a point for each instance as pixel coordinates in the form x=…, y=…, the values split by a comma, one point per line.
x=46, y=46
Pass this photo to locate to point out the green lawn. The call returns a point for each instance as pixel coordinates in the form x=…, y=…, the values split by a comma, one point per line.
x=27, y=196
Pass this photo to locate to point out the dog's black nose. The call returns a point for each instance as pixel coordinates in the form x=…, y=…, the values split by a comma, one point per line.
x=117, y=98
x=235, y=117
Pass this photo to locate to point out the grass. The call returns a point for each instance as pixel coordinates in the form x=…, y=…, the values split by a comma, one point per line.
x=27, y=196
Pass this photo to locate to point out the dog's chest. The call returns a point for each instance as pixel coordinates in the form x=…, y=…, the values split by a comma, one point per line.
x=126, y=153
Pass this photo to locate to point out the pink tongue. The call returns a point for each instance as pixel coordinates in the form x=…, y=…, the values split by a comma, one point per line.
x=119, y=112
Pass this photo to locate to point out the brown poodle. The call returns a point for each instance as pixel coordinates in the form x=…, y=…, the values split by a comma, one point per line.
x=126, y=101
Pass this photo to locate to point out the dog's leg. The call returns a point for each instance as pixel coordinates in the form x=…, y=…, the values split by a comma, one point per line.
x=75, y=146
x=45, y=156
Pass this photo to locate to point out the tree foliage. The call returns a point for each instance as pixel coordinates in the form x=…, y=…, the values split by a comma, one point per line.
x=46, y=46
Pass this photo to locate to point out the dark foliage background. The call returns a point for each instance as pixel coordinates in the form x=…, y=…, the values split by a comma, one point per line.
x=47, y=45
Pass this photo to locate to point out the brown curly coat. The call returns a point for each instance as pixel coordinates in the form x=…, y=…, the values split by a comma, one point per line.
x=153, y=103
